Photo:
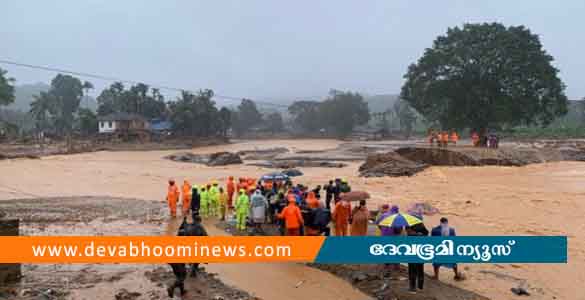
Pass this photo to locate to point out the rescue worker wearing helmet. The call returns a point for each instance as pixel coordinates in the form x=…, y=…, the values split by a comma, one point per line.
x=214, y=199
x=172, y=197
x=204, y=196
x=242, y=209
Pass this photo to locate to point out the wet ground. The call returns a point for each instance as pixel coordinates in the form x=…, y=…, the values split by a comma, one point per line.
x=97, y=216
x=539, y=199
x=377, y=281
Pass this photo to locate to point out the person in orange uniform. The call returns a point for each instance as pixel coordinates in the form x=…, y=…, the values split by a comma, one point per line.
x=172, y=197
x=293, y=219
x=445, y=138
x=186, y=197
x=251, y=185
x=231, y=189
x=341, y=216
x=454, y=137
x=312, y=201
x=475, y=139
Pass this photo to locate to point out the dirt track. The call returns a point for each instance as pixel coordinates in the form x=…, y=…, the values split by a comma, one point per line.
x=541, y=199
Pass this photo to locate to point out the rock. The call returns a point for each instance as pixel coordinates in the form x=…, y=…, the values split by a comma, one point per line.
x=358, y=276
x=288, y=164
x=262, y=154
x=224, y=158
x=389, y=164
x=188, y=157
x=124, y=294
x=572, y=154
x=520, y=291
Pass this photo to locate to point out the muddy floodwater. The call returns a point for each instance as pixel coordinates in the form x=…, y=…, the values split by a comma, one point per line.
x=539, y=199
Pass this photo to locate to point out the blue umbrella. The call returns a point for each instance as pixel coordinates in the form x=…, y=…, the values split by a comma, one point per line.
x=399, y=220
x=276, y=176
x=292, y=172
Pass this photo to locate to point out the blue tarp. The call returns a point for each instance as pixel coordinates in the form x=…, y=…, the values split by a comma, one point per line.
x=160, y=125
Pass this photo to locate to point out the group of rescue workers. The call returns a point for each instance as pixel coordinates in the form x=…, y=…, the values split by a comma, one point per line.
x=444, y=138
x=296, y=209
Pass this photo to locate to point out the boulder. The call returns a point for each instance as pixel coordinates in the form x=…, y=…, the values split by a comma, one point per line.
x=214, y=159
x=389, y=164
x=124, y=294
x=224, y=158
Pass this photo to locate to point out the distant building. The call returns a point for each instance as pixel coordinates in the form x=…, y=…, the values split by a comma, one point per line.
x=122, y=123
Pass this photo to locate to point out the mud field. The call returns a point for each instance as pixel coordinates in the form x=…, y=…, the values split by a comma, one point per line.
x=536, y=199
x=377, y=281
x=97, y=216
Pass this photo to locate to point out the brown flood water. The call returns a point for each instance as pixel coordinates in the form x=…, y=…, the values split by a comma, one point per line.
x=544, y=199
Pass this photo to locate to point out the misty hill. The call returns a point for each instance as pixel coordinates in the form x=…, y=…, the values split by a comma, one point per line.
x=380, y=103
x=24, y=96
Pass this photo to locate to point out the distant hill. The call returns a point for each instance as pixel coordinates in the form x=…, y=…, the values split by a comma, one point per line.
x=380, y=103
x=24, y=96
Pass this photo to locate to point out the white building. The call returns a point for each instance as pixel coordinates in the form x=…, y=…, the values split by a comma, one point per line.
x=121, y=122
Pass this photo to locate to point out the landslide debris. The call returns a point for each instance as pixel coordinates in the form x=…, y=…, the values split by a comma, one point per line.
x=213, y=159
x=389, y=164
x=472, y=156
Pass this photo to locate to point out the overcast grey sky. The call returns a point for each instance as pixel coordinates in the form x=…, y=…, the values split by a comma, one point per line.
x=266, y=49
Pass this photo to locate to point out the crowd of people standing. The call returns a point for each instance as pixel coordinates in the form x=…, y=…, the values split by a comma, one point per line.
x=297, y=210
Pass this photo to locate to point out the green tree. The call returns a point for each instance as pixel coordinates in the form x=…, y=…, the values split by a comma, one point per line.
x=138, y=99
x=405, y=115
x=87, y=121
x=183, y=112
x=40, y=111
x=485, y=75
x=154, y=105
x=196, y=115
x=110, y=99
x=60, y=103
x=342, y=111
x=274, y=122
x=6, y=89
x=225, y=119
x=246, y=117
x=306, y=116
